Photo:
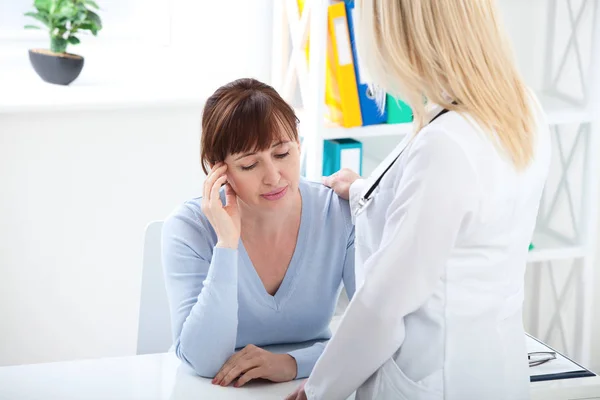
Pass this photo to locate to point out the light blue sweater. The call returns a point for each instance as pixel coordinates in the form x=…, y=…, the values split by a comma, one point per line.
x=219, y=304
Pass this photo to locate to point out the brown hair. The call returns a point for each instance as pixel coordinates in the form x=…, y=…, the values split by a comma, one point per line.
x=243, y=116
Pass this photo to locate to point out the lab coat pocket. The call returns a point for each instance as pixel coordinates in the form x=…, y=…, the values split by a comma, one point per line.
x=389, y=382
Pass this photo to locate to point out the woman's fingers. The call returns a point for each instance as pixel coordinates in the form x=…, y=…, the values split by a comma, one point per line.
x=215, y=199
x=241, y=366
x=253, y=373
x=215, y=173
x=229, y=364
x=230, y=198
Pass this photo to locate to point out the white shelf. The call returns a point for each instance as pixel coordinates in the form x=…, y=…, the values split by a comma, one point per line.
x=548, y=248
x=562, y=112
x=338, y=132
x=557, y=110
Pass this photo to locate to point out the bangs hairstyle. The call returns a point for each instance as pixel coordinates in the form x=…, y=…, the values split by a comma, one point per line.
x=434, y=49
x=244, y=116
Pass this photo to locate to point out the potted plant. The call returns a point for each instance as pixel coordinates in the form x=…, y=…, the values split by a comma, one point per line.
x=64, y=20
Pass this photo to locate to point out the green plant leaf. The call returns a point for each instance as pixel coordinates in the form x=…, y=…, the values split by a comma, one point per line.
x=40, y=17
x=73, y=40
x=81, y=15
x=58, y=45
x=43, y=5
x=91, y=4
x=32, y=27
x=89, y=27
x=95, y=19
x=54, y=5
x=66, y=10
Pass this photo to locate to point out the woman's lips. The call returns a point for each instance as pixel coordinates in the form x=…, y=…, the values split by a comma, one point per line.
x=276, y=194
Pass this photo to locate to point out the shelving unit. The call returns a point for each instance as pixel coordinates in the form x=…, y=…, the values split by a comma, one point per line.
x=291, y=73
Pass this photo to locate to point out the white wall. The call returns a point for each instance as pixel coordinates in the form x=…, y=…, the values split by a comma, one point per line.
x=77, y=193
x=77, y=189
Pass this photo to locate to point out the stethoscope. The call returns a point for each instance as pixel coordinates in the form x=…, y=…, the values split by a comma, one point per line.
x=367, y=196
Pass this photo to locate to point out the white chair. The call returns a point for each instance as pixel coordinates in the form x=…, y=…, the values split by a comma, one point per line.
x=154, y=327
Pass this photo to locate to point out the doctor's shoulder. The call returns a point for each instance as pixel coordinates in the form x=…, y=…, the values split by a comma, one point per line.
x=444, y=142
x=332, y=210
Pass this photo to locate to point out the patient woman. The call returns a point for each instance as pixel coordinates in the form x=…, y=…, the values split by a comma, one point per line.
x=260, y=258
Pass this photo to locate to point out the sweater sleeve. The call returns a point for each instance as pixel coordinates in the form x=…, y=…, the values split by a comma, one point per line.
x=202, y=285
x=306, y=358
x=349, y=267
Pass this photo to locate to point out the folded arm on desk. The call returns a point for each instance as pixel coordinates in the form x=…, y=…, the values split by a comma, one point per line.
x=202, y=286
x=435, y=195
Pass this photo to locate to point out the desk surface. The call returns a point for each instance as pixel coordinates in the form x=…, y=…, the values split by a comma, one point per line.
x=157, y=376
x=163, y=377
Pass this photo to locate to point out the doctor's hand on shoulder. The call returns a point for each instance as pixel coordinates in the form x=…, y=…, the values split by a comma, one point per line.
x=225, y=219
x=341, y=181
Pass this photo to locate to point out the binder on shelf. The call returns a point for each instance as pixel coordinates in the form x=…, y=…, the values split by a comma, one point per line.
x=342, y=153
x=370, y=112
x=341, y=91
x=343, y=102
x=332, y=100
x=398, y=112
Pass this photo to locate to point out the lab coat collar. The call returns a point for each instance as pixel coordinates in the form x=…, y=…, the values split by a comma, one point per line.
x=433, y=109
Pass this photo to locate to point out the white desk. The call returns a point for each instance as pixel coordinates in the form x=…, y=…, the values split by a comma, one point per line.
x=156, y=377
x=162, y=377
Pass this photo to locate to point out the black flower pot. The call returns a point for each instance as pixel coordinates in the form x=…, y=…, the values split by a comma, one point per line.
x=57, y=68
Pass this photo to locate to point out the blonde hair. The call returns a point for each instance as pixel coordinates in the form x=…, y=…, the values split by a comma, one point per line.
x=445, y=50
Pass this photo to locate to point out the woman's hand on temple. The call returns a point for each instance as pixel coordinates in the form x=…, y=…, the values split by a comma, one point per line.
x=340, y=182
x=225, y=220
x=252, y=362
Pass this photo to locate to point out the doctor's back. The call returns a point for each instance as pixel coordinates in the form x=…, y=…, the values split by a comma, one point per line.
x=467, y=340
x=443, y=240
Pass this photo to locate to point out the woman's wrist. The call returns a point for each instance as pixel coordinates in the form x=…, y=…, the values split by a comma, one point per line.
x=292, y=366
x=228, y=244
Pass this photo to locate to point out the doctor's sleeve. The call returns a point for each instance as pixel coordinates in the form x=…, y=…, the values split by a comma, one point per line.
x=435, y=195
x=349, y=275
x=201, y=286
x=354, y=194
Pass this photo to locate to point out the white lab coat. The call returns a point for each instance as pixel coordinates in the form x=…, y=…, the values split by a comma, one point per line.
x=440, y=254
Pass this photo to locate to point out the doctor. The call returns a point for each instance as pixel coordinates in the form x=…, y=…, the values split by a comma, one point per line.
x=443, y=225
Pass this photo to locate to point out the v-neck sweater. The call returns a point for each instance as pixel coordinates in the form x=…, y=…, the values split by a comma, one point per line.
x=219, y=304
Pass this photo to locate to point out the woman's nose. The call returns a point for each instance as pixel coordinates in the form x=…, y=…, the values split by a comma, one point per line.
x=272, y=174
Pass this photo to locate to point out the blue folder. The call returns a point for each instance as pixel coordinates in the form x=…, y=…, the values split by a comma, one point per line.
x=371, y=114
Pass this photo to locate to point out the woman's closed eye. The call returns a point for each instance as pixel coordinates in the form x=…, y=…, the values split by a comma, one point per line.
x=249, y=167
x=279, y=156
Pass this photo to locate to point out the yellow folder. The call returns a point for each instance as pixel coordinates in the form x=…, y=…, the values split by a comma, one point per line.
x=341, y=90
x=342, y=61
